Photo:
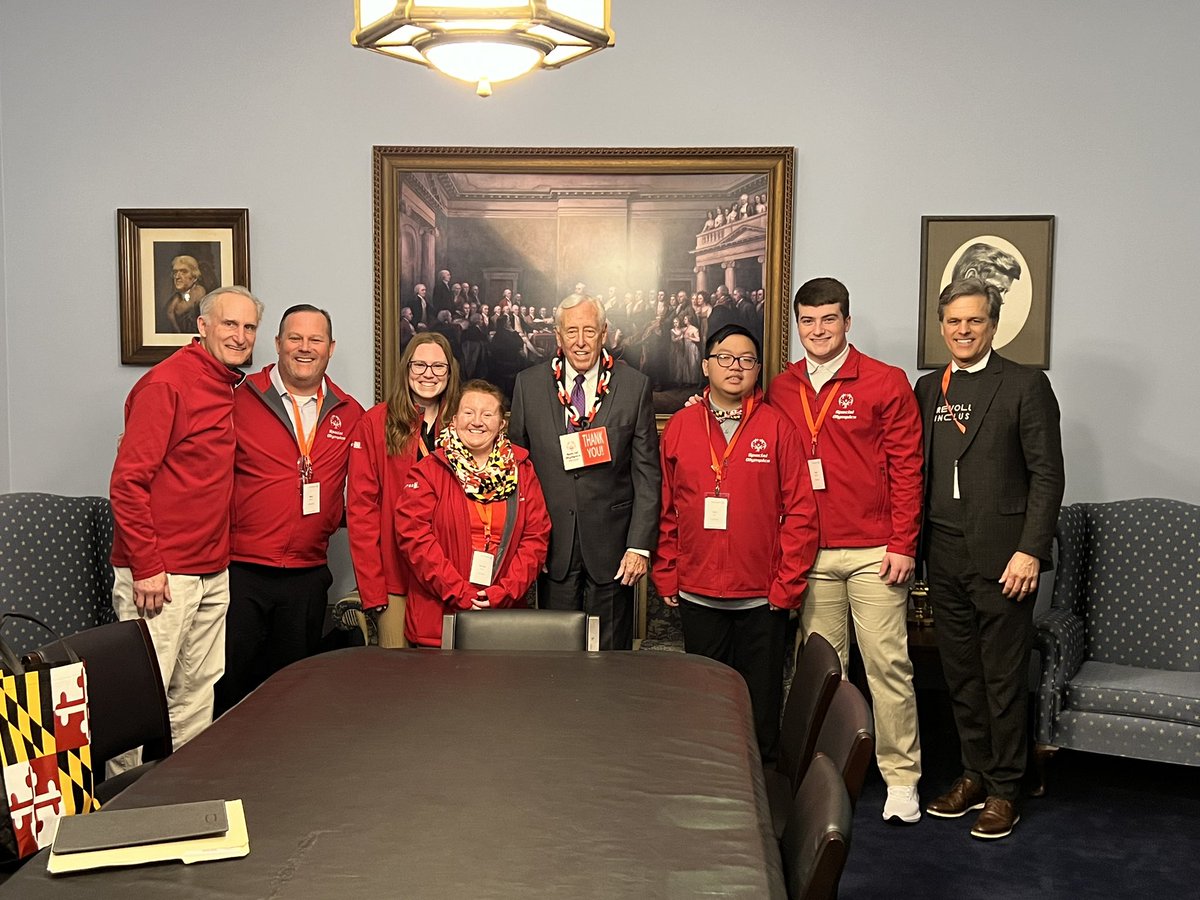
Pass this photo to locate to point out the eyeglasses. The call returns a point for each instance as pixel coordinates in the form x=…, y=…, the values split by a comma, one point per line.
x=726, y=360
x=418, y=367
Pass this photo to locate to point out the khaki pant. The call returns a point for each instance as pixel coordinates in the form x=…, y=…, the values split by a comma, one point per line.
x=845, y=583
x=391, y=622
x=189, y=641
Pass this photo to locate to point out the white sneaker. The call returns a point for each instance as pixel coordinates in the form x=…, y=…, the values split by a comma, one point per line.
x=902, y=805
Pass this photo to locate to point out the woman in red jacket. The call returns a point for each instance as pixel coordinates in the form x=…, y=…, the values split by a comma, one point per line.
x=472, y=521
x=388, y=441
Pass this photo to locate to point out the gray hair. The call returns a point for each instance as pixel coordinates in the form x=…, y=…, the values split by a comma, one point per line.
x=210, y=299
x=574, y=300
x=971, y=287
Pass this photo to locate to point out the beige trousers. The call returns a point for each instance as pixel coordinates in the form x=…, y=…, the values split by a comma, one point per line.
x=189, y=641
x=843, y=584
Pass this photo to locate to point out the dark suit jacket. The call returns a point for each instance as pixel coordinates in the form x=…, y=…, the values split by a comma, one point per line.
x=616, y=504
x=1010, y=475
x=421, y=315
x=443, y=297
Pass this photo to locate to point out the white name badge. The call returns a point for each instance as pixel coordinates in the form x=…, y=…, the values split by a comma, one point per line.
x=716, y=513
x=816, y=474
x=585, y=448
x=481, y=568
x=310, y=498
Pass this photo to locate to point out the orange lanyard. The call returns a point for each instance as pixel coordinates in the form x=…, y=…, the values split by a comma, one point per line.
x=305, y=442
x=962, y=429
x=814, y=427
x=720, y=466
x=485, y=516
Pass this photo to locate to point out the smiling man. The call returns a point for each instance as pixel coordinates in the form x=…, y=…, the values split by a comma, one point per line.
x=604, y=506
x=861, y=433
x=739, y=525
x=171, y=487
x=289, y=483
x=994, y=482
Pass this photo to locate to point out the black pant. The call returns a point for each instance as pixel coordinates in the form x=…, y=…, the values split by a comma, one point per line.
x=753, y=642
x=985, y=640
x=275, y=618
x=597, y=596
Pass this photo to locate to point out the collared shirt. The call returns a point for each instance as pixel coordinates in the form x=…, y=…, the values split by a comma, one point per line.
x=978, y=367
x=308, y=405
x=590, y=379
x=820, y=373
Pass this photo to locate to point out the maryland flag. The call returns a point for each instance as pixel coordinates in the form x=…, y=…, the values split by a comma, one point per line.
x=46, y=755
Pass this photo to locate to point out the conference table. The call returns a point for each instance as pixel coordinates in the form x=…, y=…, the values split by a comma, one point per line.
x=455, y=774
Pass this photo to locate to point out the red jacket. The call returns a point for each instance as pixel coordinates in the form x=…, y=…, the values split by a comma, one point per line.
x=268, y=526
x=771, y=539
x=870, y=451
x=372, y=492
x=173, y=476
x=433, y=524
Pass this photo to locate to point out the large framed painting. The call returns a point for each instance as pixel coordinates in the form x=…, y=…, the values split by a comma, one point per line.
x=168, y=259
x=482, y=244
x=1013, y=253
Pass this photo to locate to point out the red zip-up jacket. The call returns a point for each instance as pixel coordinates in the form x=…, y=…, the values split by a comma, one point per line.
x=771, y=537
x=870, y=450
x=433, y=525
x=173, y=476
x=373, y=488
x=269, y=528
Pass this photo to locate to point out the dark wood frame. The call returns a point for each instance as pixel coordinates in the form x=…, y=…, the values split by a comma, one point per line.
x=135, y=350
x=1033, y=237
x=776, y=164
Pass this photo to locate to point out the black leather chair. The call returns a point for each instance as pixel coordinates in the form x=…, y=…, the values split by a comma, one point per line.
x=847, y=737
x=54, y=564
x=818, y=672
x=126, y=701
x=816, y=838
x=521, y=629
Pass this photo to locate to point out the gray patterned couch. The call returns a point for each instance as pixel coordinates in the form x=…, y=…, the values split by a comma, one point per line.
x=1120, y=644
x=54, y=564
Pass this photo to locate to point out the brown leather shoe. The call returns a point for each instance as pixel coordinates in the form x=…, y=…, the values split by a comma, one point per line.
x=964, y=796
x=997, y=819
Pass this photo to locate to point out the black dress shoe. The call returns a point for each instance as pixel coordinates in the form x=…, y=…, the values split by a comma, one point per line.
x=997, y=819
x=963, y=797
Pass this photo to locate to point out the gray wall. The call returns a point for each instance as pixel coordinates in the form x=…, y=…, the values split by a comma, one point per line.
x=1087, y=111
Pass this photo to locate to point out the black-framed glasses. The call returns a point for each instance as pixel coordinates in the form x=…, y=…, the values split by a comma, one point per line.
x=725, y=360
x=418, y=367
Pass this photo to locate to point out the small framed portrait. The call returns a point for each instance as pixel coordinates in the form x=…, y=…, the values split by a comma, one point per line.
x=168, y=259
x=1015, y=254
x=482, y=243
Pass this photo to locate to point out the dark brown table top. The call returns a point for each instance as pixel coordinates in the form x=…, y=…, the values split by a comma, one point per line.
x=400, y=773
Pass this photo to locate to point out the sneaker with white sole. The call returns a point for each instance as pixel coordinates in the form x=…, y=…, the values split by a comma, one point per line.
x=902, y=805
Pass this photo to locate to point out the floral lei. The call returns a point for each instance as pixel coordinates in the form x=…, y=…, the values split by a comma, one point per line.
x=558, y=367
x=495, y=481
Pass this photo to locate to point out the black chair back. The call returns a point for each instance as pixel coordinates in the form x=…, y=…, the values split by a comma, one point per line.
x=818, y=673
x=847, y=736
x=126, y=702
x=521, y=629
x=816, y=839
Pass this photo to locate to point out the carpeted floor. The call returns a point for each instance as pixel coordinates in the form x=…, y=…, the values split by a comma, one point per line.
x=1108, y=827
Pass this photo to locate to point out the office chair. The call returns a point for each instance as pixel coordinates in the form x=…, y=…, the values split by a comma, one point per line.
x=126, y=701
x=847, y=737
x=521, y=629
x=816, y=838
x=818, y=673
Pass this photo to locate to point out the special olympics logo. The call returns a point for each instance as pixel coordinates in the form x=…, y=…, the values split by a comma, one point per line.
x=758, y=445
x=846, y=401
x=336, y=421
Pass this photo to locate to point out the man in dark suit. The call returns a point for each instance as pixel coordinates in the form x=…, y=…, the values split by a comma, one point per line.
x=422, y=313
x=604, y=506
x=994, y=483
x=443, y=294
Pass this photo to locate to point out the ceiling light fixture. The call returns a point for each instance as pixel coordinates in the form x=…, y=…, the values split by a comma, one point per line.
x=483, y=42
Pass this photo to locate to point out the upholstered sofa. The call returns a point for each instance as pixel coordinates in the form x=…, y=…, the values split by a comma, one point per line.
x=54, y=564
x=1120, y=643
